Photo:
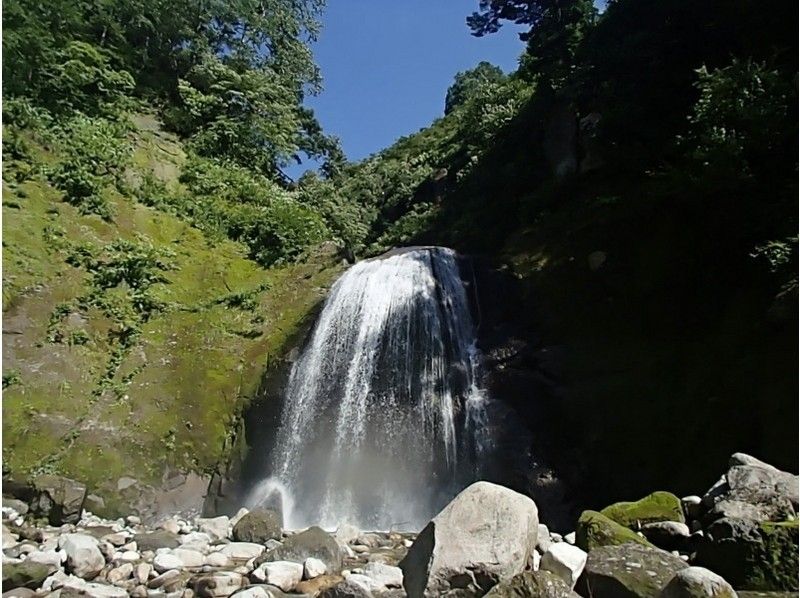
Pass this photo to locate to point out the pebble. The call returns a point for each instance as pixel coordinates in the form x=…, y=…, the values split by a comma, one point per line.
x=217, y=559
x=242, y=551
x=119, y=574
x=189, y=558
x=142, y=572
x=170, y=525
x=166, y=561
x=130, y=556
x=164, y=579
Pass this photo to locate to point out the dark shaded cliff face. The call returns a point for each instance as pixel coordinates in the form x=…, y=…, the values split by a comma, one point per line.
x=642, y=345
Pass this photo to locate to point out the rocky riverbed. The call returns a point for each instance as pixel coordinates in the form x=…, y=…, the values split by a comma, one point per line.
x=740, y=537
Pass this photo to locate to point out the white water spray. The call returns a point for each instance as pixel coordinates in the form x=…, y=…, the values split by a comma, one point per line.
x=384, y=418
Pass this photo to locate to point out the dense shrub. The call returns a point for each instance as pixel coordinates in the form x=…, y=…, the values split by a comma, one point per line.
x=95, y=152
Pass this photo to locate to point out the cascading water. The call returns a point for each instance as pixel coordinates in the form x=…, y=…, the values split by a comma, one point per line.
x=384, y=418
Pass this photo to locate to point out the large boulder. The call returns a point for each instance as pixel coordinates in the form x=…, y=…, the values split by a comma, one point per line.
x=752, y=555
x=311, y=543
x=259, y=525
x=486, y=535
x=627, y=571
x=533, y=584
x=84, y=558
x=669, y=535
x=595, y=530
x=658, y=506
x=158, y=539
x=25, y=574
x=58, y=499
x=697, y=582
x=215, y=527
x=754, y=490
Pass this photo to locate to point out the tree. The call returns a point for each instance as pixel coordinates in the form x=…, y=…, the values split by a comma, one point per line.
x=556, y=29
x=467, y=84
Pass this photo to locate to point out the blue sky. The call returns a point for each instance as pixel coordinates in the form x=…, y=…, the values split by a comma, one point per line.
x=387, y=64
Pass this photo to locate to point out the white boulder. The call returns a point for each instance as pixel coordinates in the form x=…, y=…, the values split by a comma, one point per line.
x=564, y=560
x=283, y=574
x=166, y=561
x=313, y=568
x=485, y=535
x=217, y=528
x=384, y=575
x=242, y=551
x=84, y=558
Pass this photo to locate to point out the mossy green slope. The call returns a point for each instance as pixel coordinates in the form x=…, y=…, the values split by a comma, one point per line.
x=81, y=403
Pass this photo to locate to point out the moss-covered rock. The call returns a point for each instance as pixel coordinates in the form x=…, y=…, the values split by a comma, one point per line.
x=627, y=571
x=259, y=526
x=595, y=529
x=752, y=555
x=533, y=584
x=697, y=582
x=25, y=575
x=658, y=506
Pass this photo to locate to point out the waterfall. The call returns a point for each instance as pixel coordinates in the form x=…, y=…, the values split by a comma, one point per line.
x=384, y=417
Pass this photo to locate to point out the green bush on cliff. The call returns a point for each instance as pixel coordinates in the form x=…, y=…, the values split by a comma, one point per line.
x=226, y=199
x=95, y=152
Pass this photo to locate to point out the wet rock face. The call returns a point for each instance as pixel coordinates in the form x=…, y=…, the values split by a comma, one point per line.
x=485, y=535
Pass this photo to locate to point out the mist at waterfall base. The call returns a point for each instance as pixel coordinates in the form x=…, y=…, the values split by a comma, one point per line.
x=384, y=418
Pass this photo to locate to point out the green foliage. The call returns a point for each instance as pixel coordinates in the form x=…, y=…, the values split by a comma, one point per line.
x=81, y=78
x=468, y=84
x=347, y=220
x=95, y=151
x=485, y=114
x=738, y=125
x=250, y=117
x=21, y=113
x=227, y=200
x=553, y=44
x=157, y=42
x=11, y=378
x=781, y=258
x=137, y=264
